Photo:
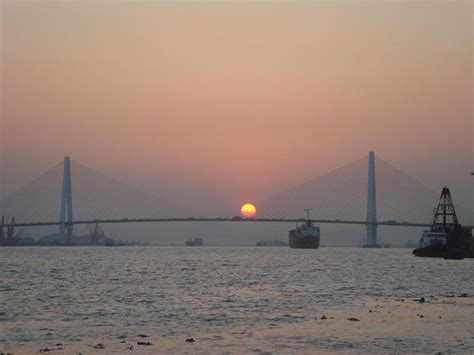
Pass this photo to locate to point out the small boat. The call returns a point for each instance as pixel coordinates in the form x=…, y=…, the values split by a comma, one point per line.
x=196, y=242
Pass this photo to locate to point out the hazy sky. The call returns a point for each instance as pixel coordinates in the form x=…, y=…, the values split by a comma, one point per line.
x=212, y=104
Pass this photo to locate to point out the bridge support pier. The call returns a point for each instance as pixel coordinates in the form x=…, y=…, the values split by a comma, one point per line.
x=66, y=226
x=371, y=226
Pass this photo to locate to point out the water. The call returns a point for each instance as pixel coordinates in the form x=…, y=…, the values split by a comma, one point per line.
x=72, y=294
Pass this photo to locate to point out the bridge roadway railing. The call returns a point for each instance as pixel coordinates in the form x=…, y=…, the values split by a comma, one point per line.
x=224, y=219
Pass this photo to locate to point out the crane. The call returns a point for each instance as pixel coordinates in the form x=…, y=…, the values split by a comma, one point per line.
x=96, y=233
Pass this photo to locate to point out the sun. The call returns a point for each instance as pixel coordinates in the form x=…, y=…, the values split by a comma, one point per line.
x=248, y=210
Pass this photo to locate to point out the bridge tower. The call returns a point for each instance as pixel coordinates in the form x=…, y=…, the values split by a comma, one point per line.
x=371, y=226
x=65, y=228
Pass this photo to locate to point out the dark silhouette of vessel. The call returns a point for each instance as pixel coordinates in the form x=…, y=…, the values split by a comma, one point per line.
x=196, y=242
x=272, y=243
x=446, y=238
x=305, y=236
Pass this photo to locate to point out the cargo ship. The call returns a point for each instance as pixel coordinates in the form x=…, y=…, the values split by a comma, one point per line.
x=305, y=236
x=446, y=238
x=196, y=242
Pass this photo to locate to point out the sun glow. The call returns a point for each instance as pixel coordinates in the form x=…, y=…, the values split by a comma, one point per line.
x=248, y=210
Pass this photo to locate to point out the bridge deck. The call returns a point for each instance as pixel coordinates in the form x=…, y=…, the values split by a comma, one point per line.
x=222, y=219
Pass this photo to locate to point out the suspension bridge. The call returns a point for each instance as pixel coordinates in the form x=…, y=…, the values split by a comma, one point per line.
x=368, y=192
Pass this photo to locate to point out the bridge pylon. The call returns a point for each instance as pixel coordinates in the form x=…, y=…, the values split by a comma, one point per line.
x=66, y=212
x=371, y=226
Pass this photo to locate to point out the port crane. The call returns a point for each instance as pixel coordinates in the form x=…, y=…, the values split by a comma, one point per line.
x=96, y=233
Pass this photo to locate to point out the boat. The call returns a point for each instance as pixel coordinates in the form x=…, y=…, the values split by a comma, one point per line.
x=446, y=238
x=196, y=242
x=305, y=236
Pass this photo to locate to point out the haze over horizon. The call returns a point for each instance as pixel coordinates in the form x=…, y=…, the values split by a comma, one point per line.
x=214, y=104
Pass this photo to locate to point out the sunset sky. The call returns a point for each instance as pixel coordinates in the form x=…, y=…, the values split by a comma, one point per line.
x=233, y=101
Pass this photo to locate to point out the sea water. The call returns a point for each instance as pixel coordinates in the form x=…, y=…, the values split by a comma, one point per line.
x=73, y=294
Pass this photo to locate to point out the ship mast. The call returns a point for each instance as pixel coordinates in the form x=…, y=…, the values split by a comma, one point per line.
x=307, y=212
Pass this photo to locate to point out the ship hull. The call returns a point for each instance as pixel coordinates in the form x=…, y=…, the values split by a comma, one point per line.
x=196, y=242
x=431, y=252
x=193, y=244
x=310, y=242
x=443, y=252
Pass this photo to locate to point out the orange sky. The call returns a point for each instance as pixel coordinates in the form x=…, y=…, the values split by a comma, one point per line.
x=233, y=101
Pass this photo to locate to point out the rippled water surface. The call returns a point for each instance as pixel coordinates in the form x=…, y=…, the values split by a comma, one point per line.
x=72, y=293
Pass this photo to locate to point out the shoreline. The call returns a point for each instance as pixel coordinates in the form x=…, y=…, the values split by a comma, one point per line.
x=376, y=325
